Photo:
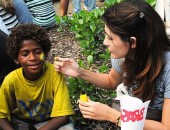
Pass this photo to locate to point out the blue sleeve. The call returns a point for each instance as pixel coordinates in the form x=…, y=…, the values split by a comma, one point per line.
x=116, y=64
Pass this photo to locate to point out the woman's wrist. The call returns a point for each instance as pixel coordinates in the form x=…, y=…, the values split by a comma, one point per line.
x=114, y=115
x=118, y=122
x=79, y=72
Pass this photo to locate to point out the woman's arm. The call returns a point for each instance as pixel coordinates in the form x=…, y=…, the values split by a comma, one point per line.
x=5, y=125
x=99, y=111
x=71, y=68
x=106, y=81
x=55, y=123
x=165, y=123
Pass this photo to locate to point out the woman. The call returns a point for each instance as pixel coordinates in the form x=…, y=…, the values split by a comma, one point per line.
x=140, y=51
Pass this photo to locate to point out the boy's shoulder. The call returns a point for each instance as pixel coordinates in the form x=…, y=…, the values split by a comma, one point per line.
x=15, y=72
x=49, y=66
x=13, y=76
x=50, y=69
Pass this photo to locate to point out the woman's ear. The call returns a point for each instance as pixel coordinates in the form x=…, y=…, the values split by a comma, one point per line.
x=133, y=42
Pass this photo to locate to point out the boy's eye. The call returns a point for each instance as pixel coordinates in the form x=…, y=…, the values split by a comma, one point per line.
x=38, y=52
x=24, y=54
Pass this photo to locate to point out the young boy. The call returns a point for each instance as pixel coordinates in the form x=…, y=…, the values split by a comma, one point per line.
x=34, y=94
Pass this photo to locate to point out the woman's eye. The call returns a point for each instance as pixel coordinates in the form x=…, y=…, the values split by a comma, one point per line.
x=109, y=37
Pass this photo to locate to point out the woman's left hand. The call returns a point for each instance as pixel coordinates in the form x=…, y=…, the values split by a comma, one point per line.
x=98, y=111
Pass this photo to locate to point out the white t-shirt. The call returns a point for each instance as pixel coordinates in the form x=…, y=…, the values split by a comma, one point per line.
x=3, y=27
x=9, y=20
x=162, y=83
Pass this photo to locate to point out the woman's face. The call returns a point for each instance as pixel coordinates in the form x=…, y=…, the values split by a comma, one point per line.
x=117, y=47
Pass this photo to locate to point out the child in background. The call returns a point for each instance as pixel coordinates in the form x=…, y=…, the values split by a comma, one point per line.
x=22, y=12
x=35, y=93
x=6, y=63
x=12, y=13
x=85, y=5
x=91, y=5
x=7, y=16
x=42, y=12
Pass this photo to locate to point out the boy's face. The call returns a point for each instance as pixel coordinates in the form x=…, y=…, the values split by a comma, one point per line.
x=29, y=59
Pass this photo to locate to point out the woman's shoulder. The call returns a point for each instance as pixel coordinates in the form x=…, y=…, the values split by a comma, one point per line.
x=166, y=68
x=117, y=63
x=167, y=57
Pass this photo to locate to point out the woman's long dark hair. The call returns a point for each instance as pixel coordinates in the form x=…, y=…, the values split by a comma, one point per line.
x=143, y=64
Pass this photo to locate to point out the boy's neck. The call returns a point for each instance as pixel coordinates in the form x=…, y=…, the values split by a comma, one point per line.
x=33, y=77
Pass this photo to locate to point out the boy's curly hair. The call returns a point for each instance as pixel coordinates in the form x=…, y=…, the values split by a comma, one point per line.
x=27, y=32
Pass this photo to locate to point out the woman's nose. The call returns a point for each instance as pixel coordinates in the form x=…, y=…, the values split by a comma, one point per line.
x=105, y=42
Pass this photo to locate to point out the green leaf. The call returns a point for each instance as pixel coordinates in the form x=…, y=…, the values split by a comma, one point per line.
x=80, y=21
x=103, y=68
x=93, y=27
x=89, y=60
x=78, y=36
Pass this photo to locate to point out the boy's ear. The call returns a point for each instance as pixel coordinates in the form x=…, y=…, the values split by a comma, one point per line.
x=16, y=61
x=133, y=42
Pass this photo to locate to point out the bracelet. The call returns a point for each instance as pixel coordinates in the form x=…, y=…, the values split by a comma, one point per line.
x=118, y=122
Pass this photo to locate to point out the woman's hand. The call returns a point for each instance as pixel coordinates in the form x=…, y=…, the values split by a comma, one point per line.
x=67, y=66
x=98, y=111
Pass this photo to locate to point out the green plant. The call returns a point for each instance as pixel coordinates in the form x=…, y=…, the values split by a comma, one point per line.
x=151, y=2
x=88, y=29
x=78, y=86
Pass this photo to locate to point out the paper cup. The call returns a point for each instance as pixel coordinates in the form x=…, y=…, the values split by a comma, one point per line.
x=160, y=8
x=133, y=113
x=167, y=13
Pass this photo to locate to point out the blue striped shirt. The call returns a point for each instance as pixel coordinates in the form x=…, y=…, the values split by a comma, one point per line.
x=8, y=19
x=42, y=11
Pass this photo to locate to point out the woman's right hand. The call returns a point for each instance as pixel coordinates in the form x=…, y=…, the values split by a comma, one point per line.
x=67, y=66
